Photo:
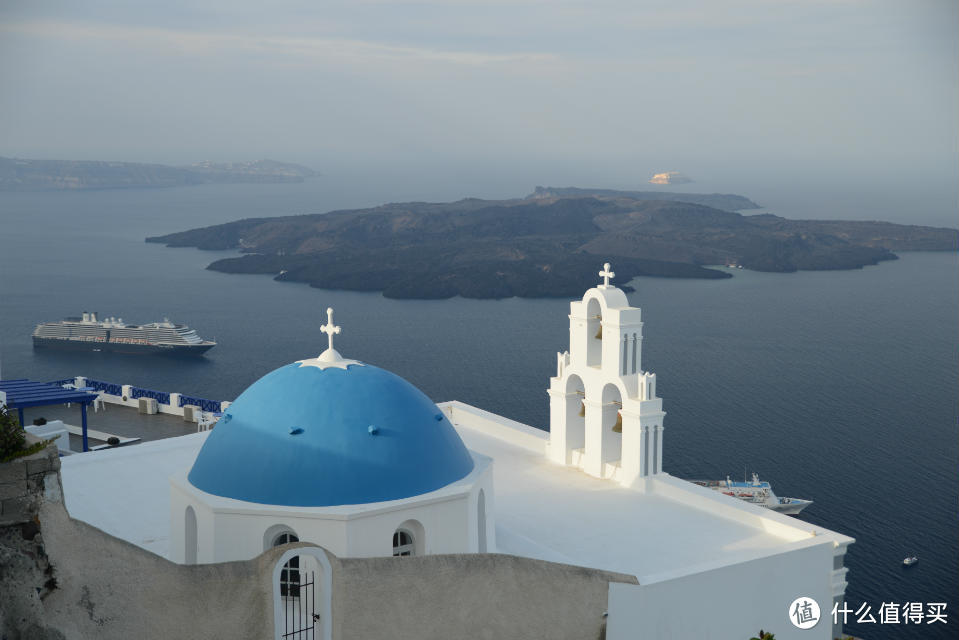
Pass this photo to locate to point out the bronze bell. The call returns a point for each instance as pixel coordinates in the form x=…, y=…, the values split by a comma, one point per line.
x=582, y=409
x=599, y=334
x=618, y=427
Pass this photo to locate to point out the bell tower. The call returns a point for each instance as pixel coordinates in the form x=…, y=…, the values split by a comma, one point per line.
x=605, y=417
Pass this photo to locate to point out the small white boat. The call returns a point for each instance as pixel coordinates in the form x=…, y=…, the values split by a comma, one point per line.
x=911, y=560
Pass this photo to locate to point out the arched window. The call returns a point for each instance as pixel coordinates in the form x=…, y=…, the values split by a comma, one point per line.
x=403, y=543
x=594, y=333
x=575, y=416
x=290, y=575
x=612, y=421
x=190, y=536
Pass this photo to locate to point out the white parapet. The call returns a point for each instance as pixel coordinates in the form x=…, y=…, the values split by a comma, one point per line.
x=517, y=433
x=53, y=430
x=126, y=399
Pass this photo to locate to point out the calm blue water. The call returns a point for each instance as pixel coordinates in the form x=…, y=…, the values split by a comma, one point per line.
x=840, y=387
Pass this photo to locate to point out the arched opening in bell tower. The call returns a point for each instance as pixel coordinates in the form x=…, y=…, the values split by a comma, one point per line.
x=612, y=425
x=594, y=333
x=575, y=414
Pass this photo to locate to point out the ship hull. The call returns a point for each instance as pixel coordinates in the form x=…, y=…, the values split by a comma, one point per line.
x=790, y=509
x=186, y=351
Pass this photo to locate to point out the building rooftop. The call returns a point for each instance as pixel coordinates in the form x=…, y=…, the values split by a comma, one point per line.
x=559, y=513
x=542, y=510
x=124, y=422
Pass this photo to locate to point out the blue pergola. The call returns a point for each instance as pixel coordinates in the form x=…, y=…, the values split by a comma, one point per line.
x=25, y=393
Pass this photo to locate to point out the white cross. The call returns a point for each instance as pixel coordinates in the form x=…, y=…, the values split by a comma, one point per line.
x=329, y=328
x=606, y=274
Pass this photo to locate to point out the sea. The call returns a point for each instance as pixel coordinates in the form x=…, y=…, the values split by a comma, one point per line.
x=840, y=387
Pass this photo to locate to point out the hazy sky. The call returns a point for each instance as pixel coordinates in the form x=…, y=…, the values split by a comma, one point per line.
x=596, y=92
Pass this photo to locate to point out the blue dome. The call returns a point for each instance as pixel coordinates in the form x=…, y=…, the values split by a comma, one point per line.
x=310, y=437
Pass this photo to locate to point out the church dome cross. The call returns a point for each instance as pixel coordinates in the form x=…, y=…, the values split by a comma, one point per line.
x=330, y=357
x=329, y=328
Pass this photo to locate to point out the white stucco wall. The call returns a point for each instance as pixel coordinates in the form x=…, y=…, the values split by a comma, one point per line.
x=730, y=602
x=443, y=521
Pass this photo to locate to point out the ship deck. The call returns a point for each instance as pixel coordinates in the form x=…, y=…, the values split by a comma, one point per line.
x=734, y=484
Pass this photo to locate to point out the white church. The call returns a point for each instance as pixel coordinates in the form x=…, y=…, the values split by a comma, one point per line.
x=353, y=462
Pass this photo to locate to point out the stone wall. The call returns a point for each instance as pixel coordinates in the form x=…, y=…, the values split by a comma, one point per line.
x=469, y=596
x=110, y=589
x=21, y=483
x=26, y=576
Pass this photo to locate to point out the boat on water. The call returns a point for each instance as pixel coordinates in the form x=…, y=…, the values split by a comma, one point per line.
x=87, y=333
x=757, y=492
x=911, y=560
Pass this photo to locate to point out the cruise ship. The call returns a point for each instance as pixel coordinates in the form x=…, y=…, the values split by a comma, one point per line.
x=87, y=333
x=757, y=492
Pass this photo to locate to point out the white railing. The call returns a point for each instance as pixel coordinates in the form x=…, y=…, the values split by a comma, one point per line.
x=127, y=399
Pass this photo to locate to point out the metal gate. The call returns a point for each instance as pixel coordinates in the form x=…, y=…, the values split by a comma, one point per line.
x=300, y=618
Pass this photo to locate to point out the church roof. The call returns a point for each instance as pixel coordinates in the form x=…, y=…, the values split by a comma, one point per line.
x=542, y=510
x=327, y=432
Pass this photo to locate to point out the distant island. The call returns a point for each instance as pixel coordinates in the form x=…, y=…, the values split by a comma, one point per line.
x=669, y=177
x=17, y=174
x=549, y=244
